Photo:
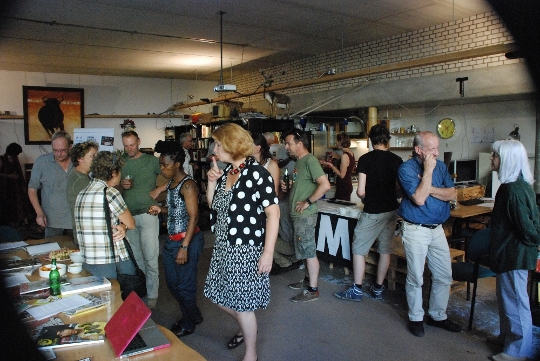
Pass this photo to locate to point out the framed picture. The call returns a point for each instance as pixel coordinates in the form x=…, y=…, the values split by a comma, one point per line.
x=49, y=109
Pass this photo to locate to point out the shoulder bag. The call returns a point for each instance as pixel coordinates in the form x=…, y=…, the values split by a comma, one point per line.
x=127, y=282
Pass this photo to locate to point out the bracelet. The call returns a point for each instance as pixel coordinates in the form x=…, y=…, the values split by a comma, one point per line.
x=184, y=247
x=308, y=201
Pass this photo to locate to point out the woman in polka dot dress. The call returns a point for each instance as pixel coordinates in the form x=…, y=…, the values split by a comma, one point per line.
x=245, y=219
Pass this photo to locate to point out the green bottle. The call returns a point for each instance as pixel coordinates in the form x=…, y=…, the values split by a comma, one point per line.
x=54, y=279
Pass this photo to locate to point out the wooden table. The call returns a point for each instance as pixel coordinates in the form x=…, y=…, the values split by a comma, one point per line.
x=464, y=213
x=178, y=351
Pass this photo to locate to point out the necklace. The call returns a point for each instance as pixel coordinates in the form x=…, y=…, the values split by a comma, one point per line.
x=234, y=171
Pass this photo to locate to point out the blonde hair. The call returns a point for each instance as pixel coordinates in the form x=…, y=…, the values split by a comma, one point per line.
x=234, y=140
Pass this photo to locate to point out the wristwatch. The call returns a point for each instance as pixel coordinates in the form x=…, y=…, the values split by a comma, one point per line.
x=184, y=247
x=308, y=201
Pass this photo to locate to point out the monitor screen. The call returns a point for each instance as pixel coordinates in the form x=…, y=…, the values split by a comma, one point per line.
x=465, y=171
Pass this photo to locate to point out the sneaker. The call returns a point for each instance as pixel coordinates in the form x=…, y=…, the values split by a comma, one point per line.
x=152, y=302
x=504, y=357
x=299, y=285
x=352, y=293
x=376, y=292
x=444, y=324
x=416, y=328
x=306, y=296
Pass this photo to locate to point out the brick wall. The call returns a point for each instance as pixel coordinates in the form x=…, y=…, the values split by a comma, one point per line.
x=476, y=31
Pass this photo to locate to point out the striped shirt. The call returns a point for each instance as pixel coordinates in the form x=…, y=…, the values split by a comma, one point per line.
x=90, y=223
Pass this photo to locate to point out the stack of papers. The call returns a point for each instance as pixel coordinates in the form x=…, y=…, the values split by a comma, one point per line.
x=42, y=248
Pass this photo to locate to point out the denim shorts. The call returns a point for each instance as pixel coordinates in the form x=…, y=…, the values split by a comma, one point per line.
x=304, y=236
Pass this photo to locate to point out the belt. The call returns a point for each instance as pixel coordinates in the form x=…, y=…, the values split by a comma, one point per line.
x=430, y=226
x=180, y=236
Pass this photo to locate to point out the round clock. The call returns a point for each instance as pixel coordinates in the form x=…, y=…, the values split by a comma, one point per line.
x=446, y=128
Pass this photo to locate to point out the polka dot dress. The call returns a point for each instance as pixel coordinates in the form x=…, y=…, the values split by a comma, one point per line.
x=239, y=228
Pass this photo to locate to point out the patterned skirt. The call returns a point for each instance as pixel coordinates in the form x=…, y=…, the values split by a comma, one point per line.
x=232, y=279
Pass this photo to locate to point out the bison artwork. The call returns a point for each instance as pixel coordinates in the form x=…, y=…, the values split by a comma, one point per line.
x=51, y=115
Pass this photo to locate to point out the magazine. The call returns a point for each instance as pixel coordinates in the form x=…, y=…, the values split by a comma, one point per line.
x=96, y=303
x=85, y=284
x=71, y=335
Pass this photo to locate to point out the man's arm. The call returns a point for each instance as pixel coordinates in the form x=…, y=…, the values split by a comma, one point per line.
x=361, y=190
x=444, y=194
x=40, y=215
x=322, y=188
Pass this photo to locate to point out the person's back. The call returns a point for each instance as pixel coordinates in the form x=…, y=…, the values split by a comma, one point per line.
x=381, y=169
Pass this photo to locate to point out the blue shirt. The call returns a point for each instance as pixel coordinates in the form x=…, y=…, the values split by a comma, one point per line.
x=434, y=211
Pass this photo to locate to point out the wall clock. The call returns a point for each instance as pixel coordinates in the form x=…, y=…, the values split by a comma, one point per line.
x=446, y=128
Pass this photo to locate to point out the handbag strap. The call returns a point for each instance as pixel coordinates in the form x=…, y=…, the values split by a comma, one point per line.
x=109, y=230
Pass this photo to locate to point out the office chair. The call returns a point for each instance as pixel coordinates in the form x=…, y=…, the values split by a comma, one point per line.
x=473, y=268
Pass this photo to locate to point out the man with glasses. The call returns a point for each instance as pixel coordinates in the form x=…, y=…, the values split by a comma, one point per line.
x=50, y=174
x=186, y=140
x=138, y=182
x=427, y=192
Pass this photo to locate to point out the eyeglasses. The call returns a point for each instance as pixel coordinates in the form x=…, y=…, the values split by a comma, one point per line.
x=114, y=158
x=57, y=151
x=494, y=155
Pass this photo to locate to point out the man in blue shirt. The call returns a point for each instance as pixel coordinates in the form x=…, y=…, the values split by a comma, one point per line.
x=427, y=190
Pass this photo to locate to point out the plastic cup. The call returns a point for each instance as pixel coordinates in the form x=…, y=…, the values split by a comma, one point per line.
x=108, y=296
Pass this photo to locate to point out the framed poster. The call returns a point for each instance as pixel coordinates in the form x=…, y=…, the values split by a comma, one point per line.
x=49, y=109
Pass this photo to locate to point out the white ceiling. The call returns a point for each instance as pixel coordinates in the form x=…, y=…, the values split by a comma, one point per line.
x=156, y=38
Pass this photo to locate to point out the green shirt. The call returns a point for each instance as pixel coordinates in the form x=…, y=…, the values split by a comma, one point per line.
x=144, y=171
x=308, y=170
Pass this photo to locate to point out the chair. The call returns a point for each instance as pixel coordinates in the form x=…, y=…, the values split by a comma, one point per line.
x=477, y=255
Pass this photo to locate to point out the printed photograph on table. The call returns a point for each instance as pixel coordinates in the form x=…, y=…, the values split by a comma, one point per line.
x=50, y=109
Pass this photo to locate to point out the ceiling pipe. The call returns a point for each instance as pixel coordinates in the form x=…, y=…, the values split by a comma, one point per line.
x=415, y=63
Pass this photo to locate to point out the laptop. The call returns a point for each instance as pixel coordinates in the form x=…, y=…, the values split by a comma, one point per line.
x=131, y=331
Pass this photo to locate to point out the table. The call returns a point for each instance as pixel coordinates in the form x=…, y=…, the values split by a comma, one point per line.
x=464, y=213
x=178, y=351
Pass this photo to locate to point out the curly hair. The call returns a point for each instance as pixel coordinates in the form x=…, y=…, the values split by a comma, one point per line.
x=234, y=140
x=79, y=150
x=171, y=149
x=105, y=163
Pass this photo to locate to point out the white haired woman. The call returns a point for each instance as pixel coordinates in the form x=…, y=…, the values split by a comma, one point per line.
x=514, y=241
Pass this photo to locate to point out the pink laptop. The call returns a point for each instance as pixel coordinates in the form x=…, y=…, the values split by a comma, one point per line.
x=131, y=331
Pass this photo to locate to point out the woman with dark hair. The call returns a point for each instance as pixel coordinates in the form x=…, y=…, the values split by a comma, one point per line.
x=514, y=241
x=82, y=155
x=185, y=243
x=92, y=230
x=344, y=185
x=13, y=188
x=245, y=218
x=261, y=152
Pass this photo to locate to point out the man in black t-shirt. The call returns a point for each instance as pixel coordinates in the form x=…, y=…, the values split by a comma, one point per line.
x=378, y=189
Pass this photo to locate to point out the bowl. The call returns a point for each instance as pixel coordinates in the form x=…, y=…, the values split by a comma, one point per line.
x=76, y=257
x=343, y=211
x=355, y=213
x=46, y=269
x=75, y=268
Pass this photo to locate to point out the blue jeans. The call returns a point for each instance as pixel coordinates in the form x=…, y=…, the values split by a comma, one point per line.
x=182, y=279
x=111, y=270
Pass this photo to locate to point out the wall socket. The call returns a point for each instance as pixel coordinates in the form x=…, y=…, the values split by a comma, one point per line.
x=331, y=71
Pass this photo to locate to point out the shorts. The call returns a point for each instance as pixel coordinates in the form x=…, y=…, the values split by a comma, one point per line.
x=304, y=236
x=371, y=227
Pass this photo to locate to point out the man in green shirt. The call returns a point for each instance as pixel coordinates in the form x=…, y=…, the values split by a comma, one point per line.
x=138, y=181
x=310, y=185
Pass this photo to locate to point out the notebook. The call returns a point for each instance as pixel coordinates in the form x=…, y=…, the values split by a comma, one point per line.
x=132, y=324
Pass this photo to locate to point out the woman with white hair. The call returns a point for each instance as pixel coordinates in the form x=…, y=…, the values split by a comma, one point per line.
x=514, y=241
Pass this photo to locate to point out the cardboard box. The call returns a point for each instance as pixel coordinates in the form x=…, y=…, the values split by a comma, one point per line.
x=470, y=192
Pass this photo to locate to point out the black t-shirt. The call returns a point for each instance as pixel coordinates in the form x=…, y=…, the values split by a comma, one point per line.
x=380, y=168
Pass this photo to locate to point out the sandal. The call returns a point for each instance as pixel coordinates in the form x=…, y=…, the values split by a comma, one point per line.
x=236, y=341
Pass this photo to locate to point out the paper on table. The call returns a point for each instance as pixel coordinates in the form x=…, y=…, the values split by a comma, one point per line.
x=15, y=279
x=11, y=245
x=51, y=309
x=488, y=205
x=42, y=248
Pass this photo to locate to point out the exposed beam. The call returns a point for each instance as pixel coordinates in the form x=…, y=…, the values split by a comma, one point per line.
x=415, y=63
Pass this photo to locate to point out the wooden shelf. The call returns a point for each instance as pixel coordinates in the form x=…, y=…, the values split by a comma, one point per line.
x=135, y=116
x=104, y=116
x=11, y=117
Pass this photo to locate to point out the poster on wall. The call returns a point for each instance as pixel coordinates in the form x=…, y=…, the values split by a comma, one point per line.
x=50, y=109
x=104, y=137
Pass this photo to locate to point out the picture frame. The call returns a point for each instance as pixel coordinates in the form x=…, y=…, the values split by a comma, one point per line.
x=50, y=109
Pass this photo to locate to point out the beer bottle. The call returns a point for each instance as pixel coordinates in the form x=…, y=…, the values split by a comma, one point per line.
x=54, y=279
